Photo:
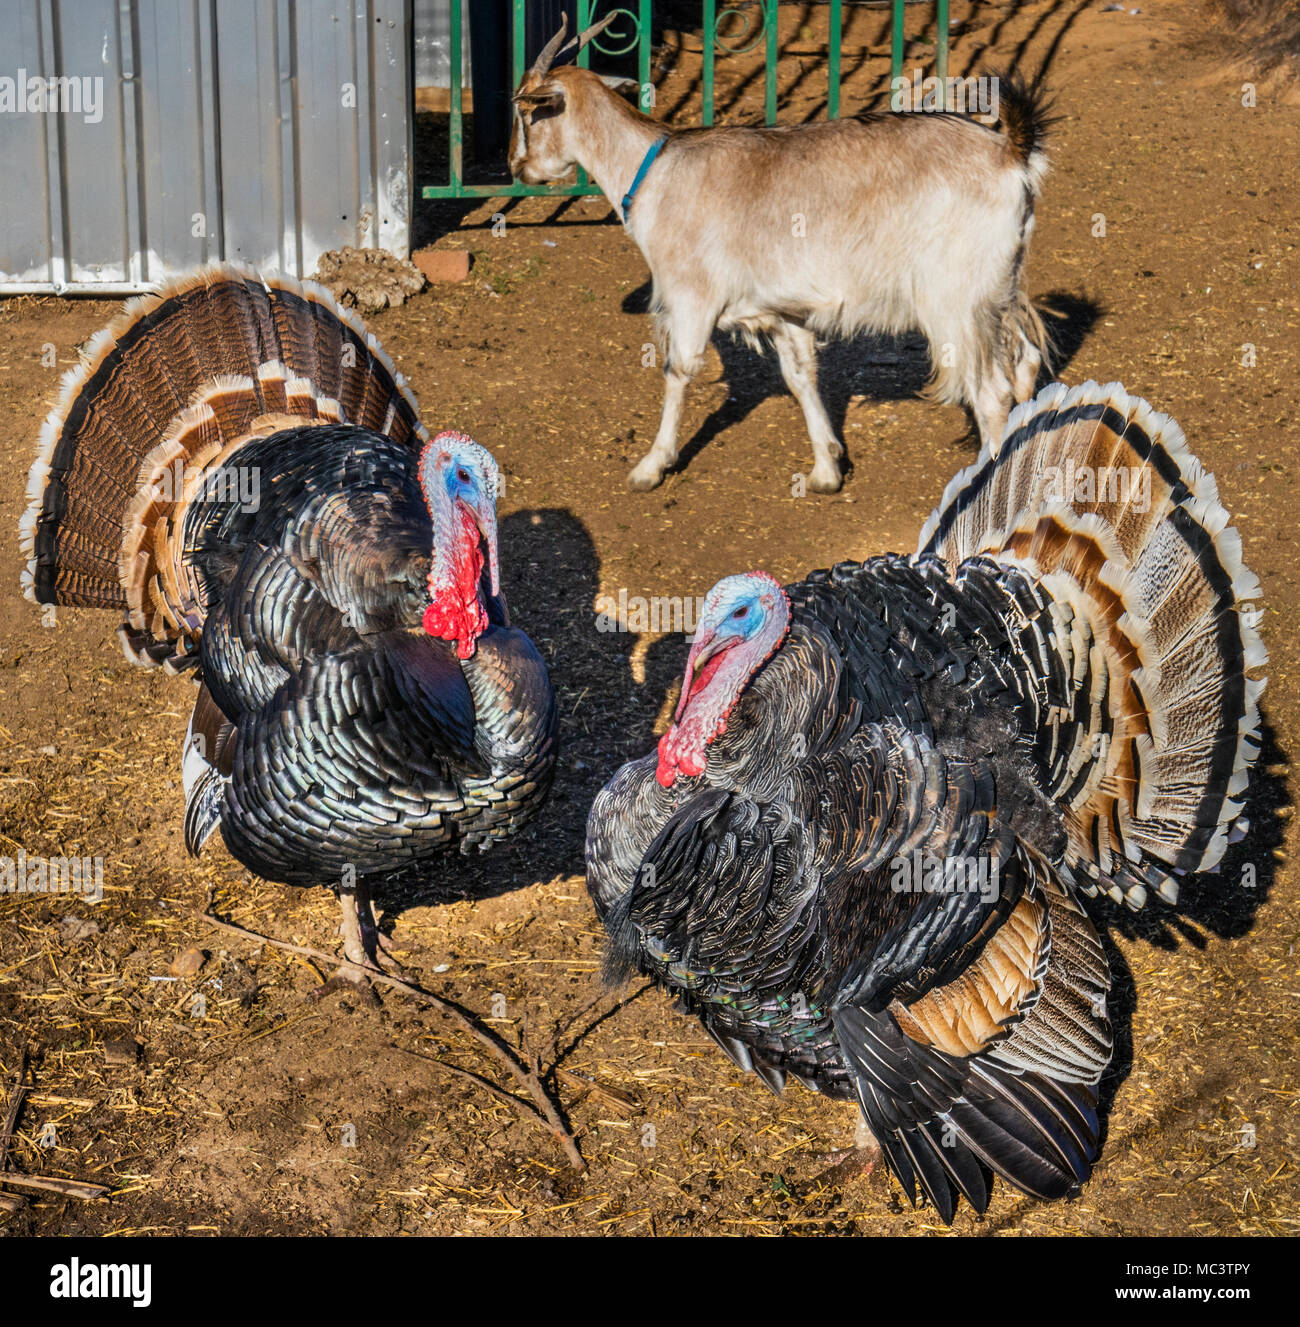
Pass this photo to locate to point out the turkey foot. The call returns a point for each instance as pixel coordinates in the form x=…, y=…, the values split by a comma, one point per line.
x=364, y=947
x=856, y=1162
x=363, y=943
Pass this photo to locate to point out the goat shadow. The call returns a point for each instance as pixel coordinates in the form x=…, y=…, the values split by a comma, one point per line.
x=881, y=368
x=550, y=574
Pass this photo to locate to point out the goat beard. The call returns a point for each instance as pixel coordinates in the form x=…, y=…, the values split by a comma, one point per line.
x=455, y=610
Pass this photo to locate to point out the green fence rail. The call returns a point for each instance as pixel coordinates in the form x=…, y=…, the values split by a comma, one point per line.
x=621, y=37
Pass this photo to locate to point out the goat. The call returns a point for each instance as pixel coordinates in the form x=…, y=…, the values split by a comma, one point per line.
x=887, y=222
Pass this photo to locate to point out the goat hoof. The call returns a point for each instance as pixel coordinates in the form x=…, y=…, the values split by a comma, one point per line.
x=821, y=481
x=642, y=481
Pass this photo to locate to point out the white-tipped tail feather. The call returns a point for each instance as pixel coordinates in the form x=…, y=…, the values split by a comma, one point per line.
x=167, y=392
x=1144, y=633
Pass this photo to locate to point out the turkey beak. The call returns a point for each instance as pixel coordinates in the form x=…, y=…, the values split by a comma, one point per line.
x=706, y=645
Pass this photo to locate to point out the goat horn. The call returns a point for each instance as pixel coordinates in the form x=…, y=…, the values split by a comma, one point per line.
x=542, y=65
x=588, y=33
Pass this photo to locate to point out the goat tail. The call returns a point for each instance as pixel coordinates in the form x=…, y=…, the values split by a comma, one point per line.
x=1024, y=116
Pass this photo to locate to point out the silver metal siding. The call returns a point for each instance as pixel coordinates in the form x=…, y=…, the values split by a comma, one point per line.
x=431, y=28
x=265, y=131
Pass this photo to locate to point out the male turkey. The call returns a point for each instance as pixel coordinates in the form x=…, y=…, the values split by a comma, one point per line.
x=859, y=853
x=239, y=468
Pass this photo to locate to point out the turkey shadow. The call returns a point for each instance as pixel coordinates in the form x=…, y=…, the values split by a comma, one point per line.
x=550, y=575
x=1224, y=903
x=870, y=365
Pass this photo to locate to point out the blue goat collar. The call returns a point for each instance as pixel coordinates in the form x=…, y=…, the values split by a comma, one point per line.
x=646, y=162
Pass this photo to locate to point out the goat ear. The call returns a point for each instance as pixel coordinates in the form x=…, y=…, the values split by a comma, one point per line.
x=618, y=83
x=548, y=96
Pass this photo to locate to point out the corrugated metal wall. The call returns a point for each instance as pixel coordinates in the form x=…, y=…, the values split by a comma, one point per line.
x=263, y=131
x=432, y=28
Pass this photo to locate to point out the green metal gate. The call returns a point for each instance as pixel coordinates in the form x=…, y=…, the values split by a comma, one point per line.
x=633, y=31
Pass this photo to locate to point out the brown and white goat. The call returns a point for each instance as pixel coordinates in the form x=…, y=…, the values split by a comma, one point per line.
x=887, y=223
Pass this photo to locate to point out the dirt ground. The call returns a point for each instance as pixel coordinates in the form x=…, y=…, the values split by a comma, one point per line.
x=237, y=1121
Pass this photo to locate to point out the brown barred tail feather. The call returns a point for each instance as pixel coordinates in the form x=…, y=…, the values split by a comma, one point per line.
x=1034, y=997
x=164, y=394
x=1133, y=610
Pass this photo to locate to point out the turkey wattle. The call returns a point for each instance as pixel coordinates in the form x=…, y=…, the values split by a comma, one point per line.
x=239, y=468
x=860, y=850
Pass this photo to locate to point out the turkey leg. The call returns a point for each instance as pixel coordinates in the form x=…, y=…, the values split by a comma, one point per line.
x=363, y=945
x=362, y=942
x=857, y=1162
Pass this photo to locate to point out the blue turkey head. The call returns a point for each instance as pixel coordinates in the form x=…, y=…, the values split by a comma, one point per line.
x=460, y=481
x=744, y=619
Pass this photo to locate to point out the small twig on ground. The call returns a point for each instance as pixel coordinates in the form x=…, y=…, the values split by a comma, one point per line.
x=53, y=1184
x=20, y=1089
x=528, y=1078
x=552, y=1047
x=47, y=1183
x=525, y=1108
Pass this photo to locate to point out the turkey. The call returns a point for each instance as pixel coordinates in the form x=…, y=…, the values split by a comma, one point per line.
x=860, y=852
x=238, y=468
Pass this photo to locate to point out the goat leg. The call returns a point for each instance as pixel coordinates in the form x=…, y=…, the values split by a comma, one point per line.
x=796, y=349
x=649, y=471
x=991, y=405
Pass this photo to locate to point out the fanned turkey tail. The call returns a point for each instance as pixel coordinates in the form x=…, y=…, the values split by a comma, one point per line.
x=1133, y=611
x=150, y=421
